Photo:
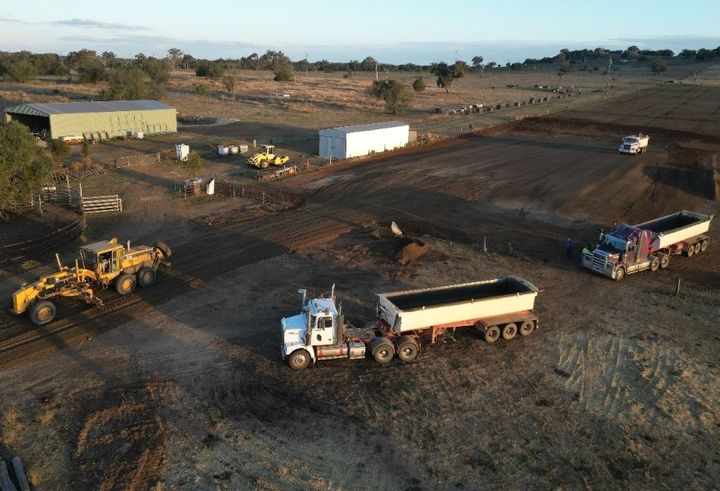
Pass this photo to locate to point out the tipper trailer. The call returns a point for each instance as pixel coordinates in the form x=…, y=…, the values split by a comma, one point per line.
x=628, y=249
x=406, y=319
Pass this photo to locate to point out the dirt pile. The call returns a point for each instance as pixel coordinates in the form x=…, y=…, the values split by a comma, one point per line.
x=411, y=251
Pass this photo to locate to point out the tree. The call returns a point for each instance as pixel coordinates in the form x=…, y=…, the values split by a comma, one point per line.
x=395, y=94
x=477, y=62
x=193, y=164
x=174, y=55
x=23, y=165
x=158, y=70
x=447, y=74
x=229, y=83
x=92, y=70
x=418, y=85
x=108, y=58
x=128, y=83
x=210, y=70
x=20, y=71
x=564, y=69
x=658, y=66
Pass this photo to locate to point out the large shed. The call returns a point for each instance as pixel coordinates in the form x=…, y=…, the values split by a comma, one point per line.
x=363, y=139
x=95, y=120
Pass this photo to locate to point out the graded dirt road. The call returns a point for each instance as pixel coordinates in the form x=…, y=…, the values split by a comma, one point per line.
x=184, y=387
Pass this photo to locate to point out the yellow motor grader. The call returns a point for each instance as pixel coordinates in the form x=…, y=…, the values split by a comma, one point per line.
x=99, y=264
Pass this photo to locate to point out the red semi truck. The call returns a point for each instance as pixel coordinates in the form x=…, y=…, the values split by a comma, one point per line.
x=631, y=248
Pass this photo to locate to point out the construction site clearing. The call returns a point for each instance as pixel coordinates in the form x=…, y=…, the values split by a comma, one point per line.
x=183, y=385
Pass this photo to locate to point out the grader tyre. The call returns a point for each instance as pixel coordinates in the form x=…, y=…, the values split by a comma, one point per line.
x=299, y=359
x=407, y=348
x=146, y=277
x=164, y=248
x=125, y=284
x=42, y=312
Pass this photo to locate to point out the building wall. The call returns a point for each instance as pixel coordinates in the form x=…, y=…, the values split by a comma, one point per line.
x=113, y=124
x=332, y=144
x=343, y=145
x=380, y=140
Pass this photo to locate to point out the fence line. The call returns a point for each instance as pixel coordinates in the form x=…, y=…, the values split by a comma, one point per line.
x=22, y=250
x=255, y=193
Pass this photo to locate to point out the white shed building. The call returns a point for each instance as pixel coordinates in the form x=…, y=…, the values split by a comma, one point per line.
x=363, y=139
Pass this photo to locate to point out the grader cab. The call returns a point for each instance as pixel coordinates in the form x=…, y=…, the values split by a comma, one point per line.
x=99, y=264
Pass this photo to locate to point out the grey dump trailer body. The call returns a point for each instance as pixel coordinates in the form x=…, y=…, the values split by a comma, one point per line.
x=461, y=304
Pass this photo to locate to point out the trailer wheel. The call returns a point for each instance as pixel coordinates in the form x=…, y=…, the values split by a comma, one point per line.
x=299, y=359
x=619, y=274
x=509, y=331
x=664, y=261
x=654, y=265
x=407, y=349
x=690, y=250
x=704, y=245
x=383, y=350
x=146, y=277
x=698, y=248
x=42, y=312
x=492, y=334
x=125, y=284
x=527, y=328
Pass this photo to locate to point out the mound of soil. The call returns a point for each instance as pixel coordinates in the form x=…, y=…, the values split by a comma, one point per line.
x=413, y=249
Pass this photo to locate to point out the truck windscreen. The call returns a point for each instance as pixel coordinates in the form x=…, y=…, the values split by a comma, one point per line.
x=613, y=244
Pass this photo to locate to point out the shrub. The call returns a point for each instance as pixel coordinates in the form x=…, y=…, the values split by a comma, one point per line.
x=202, y=90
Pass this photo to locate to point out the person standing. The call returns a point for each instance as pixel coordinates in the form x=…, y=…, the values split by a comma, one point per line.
x=569, y=246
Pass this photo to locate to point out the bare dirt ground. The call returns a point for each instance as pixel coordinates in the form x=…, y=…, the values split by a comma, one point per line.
x=184, y=389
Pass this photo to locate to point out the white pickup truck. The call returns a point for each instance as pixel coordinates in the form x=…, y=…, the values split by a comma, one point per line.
x=496, y=308
x=634, y=144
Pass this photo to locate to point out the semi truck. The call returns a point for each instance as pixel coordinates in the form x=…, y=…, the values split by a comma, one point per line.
x=406, y=320
x=634, y=144
x=649, y=245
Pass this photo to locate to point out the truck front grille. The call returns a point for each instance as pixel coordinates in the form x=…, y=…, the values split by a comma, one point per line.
x=599, y=261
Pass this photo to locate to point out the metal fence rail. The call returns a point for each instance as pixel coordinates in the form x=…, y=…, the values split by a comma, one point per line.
x=101, y=204
x=255, y=193
x=22, y=250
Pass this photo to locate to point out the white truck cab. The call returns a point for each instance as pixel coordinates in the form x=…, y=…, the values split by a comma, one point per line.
x=634, y=144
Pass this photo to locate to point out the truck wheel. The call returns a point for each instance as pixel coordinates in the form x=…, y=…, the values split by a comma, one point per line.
x=619, y=274
x=492, y=334
x=654, y=265
x=299, y=359
x=704, y=245
x=125, y=284
x=383, y=350
x=42, y=312
x=664, y=261
x=146, y=277
x=698, y=248
x=407, y=349
x=527, y=328
x=164, y=248
x=509, y=331
x=690, y=250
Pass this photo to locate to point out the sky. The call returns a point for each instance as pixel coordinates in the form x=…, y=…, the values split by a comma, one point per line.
x=392, y=31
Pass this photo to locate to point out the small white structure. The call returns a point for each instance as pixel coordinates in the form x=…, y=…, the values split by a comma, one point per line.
x=363, y=139
x=182, y=151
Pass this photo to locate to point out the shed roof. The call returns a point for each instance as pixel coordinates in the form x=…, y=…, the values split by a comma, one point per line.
x=368, y=127
x=48, y=108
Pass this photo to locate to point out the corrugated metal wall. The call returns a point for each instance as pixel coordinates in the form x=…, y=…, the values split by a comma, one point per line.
x=113, y=124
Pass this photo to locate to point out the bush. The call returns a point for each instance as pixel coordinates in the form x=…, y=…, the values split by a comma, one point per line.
x=658, y=66
x=418, y=85
x=284, y=72
x=59, y=150
x=394, y=93
x=129, y=83
x=202, y=90
x=210, y=70
x=92, y=71
x=193, y=164
x=229, y=83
